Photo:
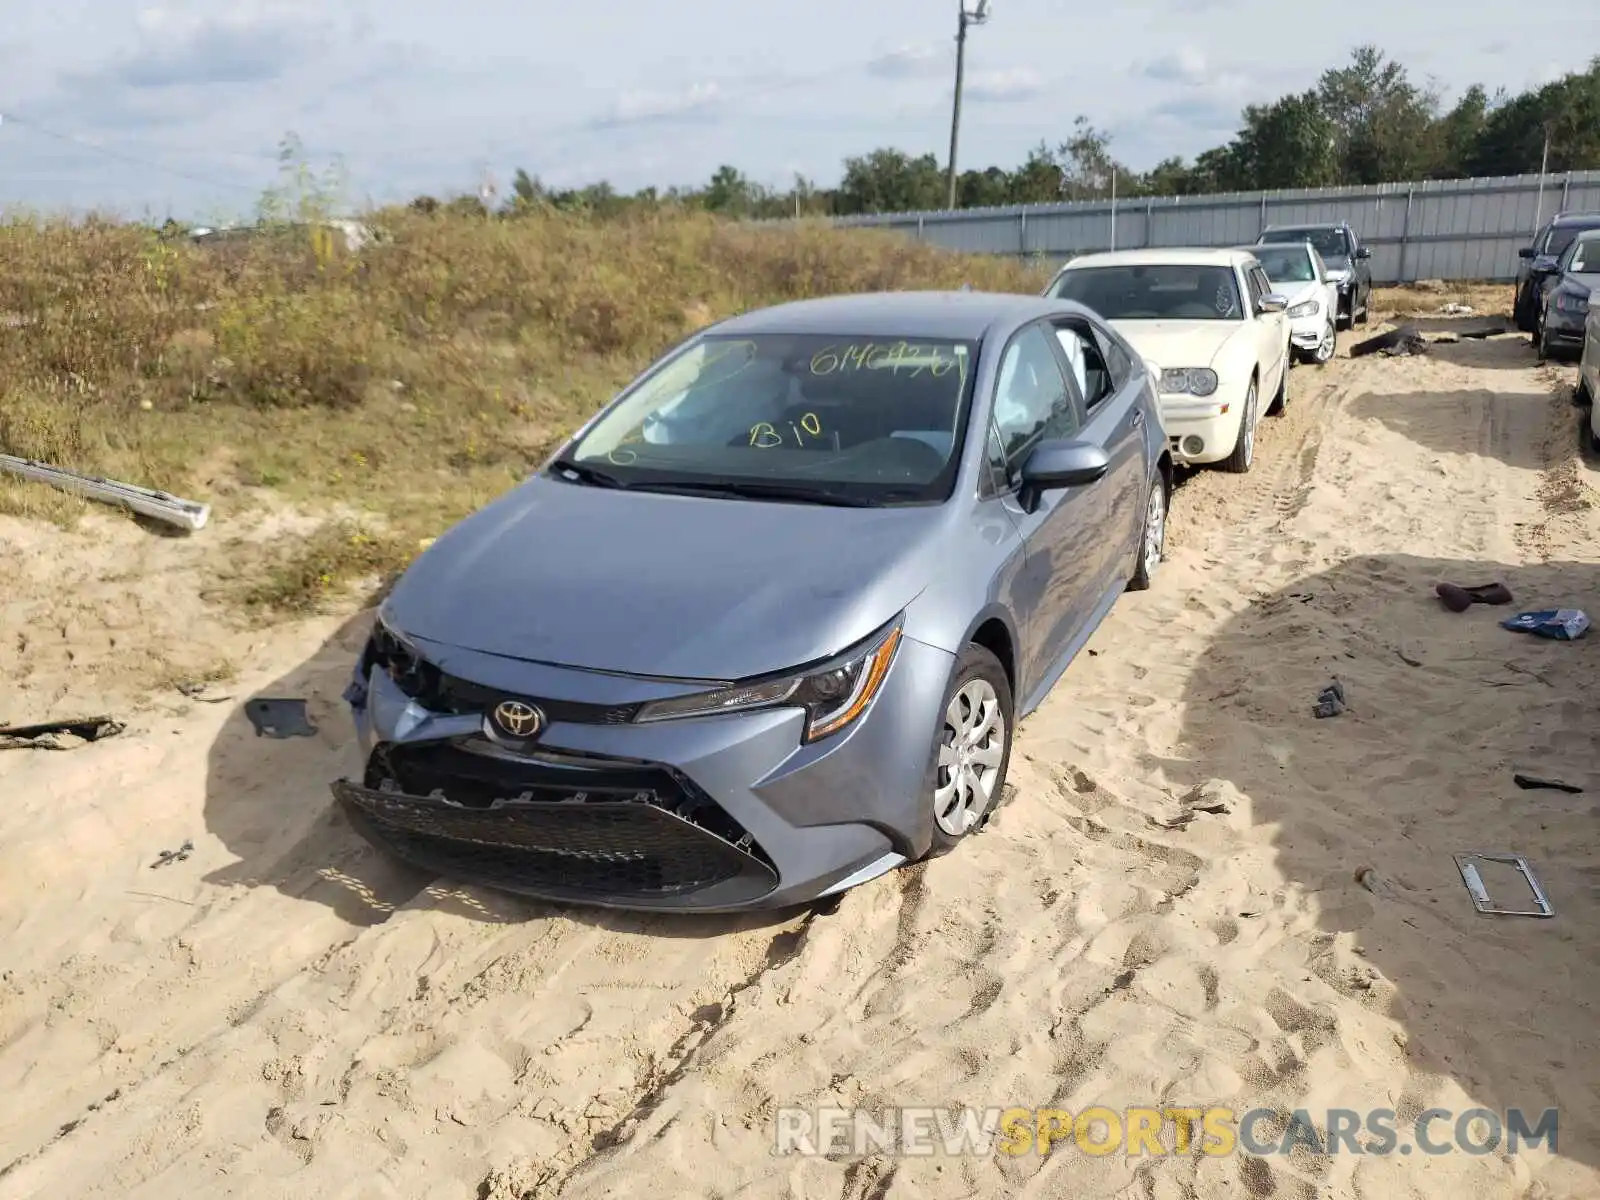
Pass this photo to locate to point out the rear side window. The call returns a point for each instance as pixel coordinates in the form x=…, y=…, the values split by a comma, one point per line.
x=1562, y=236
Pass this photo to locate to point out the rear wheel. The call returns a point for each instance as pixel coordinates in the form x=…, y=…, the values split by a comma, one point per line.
x=1366, y=308
x=974, y=748
x=1581, y=396
x=1244, y=446
x=1153, y=539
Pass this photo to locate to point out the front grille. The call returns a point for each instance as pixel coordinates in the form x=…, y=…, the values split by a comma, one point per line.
x=611, y=829
x=438, y=692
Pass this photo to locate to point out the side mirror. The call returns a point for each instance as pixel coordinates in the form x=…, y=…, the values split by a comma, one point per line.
x=1545, y=263
x=1525, y=252
x=1062, y=464
x=1363, y=251
x=1272, y=302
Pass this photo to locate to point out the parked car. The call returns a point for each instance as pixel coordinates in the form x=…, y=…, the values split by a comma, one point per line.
x=1564, y=302
x=1589, y=372
x=764, y=627
x=1538, y=263
x=1297, y=273
x=1349, y=263
x=1212, y=323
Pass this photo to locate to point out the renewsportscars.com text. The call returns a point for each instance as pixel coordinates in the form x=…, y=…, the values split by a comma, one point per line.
x=1163, y=1130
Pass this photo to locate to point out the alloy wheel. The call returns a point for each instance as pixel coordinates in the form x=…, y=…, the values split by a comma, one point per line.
x=970, y=755
x=1155, y=527
x=1326, y=347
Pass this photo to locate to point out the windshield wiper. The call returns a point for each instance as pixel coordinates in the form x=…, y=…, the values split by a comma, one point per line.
x=756, y=490
x=587, y=474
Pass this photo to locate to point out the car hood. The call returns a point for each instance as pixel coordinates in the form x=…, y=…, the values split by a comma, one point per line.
x=1337, y=265
x=682, y=587
x=1180, y=343
x=1298, y=293
x=1588, y=281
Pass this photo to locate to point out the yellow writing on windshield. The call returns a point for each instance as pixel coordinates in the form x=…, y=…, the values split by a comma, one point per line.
x=764, y=435
x=895, y=357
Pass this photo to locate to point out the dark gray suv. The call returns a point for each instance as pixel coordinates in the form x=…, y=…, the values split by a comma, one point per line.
x=1349, y=263
x=1539, y=263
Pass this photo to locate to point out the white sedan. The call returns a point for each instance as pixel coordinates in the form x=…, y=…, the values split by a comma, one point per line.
x=1214, y=328
x=1297, y=272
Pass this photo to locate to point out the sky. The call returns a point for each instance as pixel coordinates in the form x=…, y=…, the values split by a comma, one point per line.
x=178, y=108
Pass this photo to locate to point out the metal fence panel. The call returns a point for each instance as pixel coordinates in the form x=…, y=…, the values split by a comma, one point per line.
x=1435, y=229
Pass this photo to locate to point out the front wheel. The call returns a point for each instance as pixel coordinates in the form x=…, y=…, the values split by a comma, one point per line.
x=1326, y=347
x=1244, y=446
x=974, y=748
x=1153, y=541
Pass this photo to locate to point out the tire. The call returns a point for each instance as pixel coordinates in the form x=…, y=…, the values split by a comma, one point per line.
x=1366, y=309
x=1280, y=402
x=1328, y=347
x=978, y=678
x=1244, y=447
x=1592, y=438
x=1152, y=534
x=1580, y=394
x=1541, y=344
x=1520, y=314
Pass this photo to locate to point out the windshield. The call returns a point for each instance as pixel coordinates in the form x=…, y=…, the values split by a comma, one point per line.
x=1330, y=243
x=1154, y=292
x=1286, y=264
x=875, y=420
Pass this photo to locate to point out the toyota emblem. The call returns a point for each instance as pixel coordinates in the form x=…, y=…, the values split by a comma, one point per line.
x=517, y=719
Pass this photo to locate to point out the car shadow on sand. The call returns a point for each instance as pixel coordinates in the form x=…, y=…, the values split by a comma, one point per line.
x=1443, y=709
x=268, y=802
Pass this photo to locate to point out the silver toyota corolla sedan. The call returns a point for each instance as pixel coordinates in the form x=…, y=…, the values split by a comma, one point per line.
x=764, y=628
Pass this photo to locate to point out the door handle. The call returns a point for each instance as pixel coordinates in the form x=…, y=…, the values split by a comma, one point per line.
x=1138, y=418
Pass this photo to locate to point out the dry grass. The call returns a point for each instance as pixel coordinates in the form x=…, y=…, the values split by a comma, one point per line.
x=409, y=383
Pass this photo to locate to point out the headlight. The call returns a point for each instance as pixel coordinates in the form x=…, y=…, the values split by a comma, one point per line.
x=1192, y=381
x=834, y=694
x=1572, y=302
x=1308, y=309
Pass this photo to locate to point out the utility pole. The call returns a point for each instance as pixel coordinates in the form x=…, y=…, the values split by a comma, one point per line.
x=977, y=16
x=1544, y=163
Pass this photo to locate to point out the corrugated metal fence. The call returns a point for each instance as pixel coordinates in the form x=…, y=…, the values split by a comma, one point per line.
x=1441, y=229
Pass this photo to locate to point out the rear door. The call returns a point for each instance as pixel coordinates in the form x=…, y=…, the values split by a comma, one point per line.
x=1036, y=400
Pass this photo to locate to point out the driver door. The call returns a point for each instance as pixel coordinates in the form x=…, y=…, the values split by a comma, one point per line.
x=1067, y=555
x=1272, y=337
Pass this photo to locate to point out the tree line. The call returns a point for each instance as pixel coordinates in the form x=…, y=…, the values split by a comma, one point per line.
x=1365, y=122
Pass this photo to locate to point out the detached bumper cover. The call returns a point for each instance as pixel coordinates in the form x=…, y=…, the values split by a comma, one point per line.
x=584, y=850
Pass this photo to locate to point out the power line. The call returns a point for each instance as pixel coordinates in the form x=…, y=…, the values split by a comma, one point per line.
x=148, y=164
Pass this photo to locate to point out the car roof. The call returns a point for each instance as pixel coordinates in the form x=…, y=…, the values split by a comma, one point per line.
x=954, y=315
x=1587, y=219
x=1312, y=225
x=1169, y=256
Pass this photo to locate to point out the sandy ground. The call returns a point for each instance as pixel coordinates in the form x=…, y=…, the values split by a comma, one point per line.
x=1165, y=913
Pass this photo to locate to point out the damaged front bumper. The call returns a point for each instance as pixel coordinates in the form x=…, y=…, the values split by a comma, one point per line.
x=715, y=814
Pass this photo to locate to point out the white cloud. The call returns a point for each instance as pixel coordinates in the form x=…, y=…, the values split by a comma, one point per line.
x=1187, y=65
x=914, y=61
x=1013, y=83
x=634, y=106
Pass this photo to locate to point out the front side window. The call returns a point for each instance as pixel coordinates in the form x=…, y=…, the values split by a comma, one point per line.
x=1154, y=292
x=871, y=419
x=1031, y=401
x=1585, y=256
